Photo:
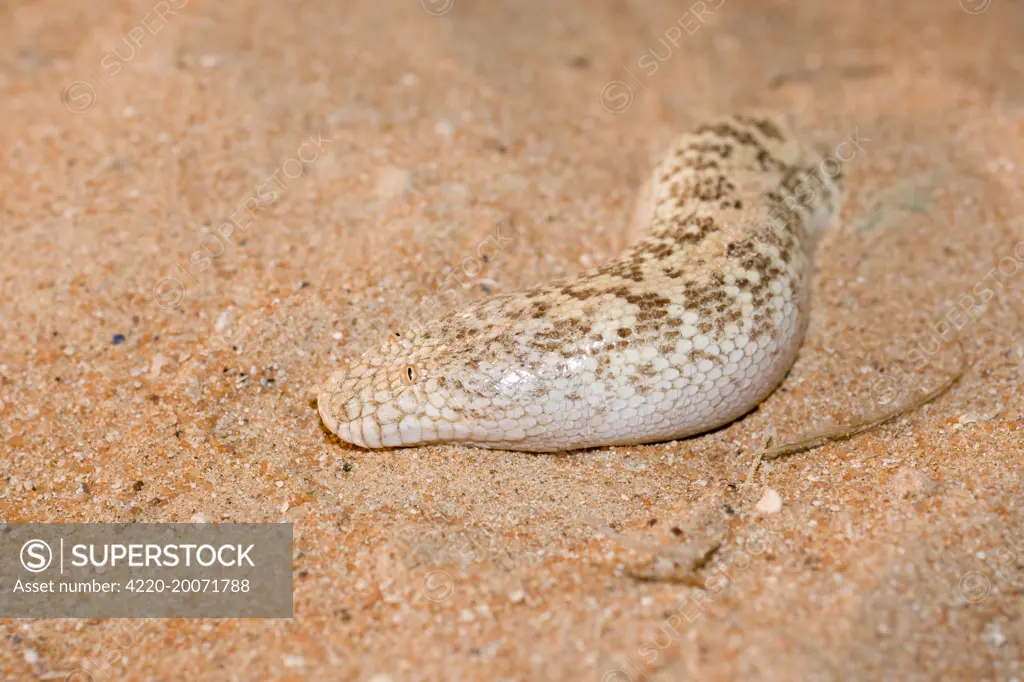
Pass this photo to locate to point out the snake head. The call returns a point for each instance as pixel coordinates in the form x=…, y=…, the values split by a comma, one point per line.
x=381, y=399
x=438, y=383
x=466, y=377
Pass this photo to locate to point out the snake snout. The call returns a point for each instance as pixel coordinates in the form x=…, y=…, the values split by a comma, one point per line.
x=332, y=408
x=340, y=405
x=372, y=409
x=327, y=414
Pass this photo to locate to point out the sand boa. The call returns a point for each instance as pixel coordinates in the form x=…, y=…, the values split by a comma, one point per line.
x=688, y=329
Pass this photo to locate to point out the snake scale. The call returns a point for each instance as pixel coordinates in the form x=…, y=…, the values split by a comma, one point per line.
x=689, y=328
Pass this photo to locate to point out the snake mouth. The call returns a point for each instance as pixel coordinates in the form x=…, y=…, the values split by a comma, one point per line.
x=333, y=404
x=366, y=432
x=324, y=407
x=328, y=407
x=345, y=433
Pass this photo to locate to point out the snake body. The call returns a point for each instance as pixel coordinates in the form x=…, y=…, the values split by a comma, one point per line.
x=688, y=329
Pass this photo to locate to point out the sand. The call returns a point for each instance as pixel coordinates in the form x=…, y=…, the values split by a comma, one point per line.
x=379, y=145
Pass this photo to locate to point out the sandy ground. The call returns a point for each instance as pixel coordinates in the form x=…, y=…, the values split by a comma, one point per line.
x=133, y=130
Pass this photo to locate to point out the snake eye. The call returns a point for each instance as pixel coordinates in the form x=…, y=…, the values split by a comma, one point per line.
x=409, y=375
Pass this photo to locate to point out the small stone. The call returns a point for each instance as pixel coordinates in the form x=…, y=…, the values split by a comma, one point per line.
x=223, y=322
x=517, y=596
x=118, y=339
x=909, y=482
x=770, y=502
x=291, y=661
x=393, y=183
x=444, y=128
x=157, y=365
x=974, y=418
x=994, y=636
x=200, y=518
x=31, y=656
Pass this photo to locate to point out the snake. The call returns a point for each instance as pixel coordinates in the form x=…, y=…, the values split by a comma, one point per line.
x=692, y=326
